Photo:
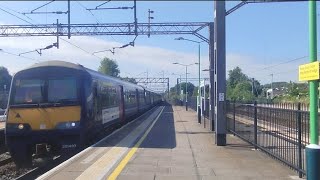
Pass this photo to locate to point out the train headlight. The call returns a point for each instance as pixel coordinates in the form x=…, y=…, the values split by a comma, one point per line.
x=17, y=127
x=20, y=126
x=68, y=125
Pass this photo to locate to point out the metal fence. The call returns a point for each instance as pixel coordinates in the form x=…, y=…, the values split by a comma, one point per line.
x=192, y=102
x=280, y=130
x=205, y=111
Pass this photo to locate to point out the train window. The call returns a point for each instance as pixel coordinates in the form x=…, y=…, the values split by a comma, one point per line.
x=130, y=97
x=94, y=89
x=29, y=91
x=108, y=96
x=142, y=98
x=62, y=89
x=148, y=97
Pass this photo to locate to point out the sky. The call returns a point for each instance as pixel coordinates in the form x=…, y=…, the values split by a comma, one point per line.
x=262, y=38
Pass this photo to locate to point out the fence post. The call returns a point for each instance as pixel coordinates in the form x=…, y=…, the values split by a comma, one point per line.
x=248, y=111
x=234, y=117
x=255, y=125
x=299, y=140
x=227, y=112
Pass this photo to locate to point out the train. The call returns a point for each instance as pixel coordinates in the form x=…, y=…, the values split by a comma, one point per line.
x=58, y=105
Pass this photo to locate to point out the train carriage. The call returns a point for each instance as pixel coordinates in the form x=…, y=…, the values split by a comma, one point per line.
x=62, y=105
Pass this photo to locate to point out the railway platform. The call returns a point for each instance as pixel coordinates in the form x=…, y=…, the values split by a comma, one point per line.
x=168, y=143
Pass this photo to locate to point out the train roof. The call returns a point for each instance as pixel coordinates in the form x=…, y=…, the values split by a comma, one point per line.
x=99, y=75
x=57, y=63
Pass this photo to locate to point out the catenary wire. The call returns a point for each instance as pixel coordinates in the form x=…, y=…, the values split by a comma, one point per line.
x=78, y=47
x=59, y=37
x=6, y=52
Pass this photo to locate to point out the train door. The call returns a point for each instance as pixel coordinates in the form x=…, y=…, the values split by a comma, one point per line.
x=149, y=98
x=145, y=99
x=152, y=99
x=121, y=103
x=138, y=100
x=96, y=102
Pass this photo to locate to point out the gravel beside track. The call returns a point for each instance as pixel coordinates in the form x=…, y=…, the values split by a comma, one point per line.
x=9, y=171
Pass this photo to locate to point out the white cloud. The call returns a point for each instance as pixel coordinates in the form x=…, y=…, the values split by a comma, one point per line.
x=262, y=72
x=132, y=60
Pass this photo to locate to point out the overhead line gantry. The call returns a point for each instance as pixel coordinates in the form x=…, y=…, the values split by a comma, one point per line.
x=191, y=28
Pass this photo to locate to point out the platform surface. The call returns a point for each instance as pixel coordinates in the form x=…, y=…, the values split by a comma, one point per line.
x=176, y=147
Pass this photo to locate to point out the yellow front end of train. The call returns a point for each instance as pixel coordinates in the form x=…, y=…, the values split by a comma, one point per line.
x=44, y=118
x=44, y=112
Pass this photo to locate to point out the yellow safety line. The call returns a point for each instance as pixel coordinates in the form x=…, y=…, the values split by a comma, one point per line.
x=133, y=150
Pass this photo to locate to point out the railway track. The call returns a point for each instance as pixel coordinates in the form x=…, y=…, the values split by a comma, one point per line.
x=5, y=161
x=4, y=155
x=42, y=167
x=8, y=169
x=2, y=142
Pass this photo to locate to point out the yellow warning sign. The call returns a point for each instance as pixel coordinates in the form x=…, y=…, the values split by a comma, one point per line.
x=310, y=71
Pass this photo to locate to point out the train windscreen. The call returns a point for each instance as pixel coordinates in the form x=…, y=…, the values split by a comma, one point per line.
x=35, y=91
x=62, y=90
x=29, y=91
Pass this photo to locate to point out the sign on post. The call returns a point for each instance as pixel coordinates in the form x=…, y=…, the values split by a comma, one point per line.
x=309, y=72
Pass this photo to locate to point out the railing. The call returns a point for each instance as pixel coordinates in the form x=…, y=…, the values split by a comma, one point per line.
x=281, y=131
x=192, y=102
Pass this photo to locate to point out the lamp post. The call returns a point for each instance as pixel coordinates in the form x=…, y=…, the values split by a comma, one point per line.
x=199, y=47
x=313, y=149
x=181, y=100
x=186, y=65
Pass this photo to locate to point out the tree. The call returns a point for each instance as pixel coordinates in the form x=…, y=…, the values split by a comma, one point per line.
x=195, y=91
x=257, y=88
x=5, y=78
x=175, y=95
x=242, y=91
x=191, y=88
x=294, y=90
x=5, y=81
x=109, y=67
x=236, y=76
x=239, y=86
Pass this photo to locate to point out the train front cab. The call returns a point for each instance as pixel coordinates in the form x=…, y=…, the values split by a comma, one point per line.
x=44, y=110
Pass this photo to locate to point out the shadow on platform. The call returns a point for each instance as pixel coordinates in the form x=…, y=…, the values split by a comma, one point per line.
x=162, y=134
x=185, y=132
x=240, y=146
